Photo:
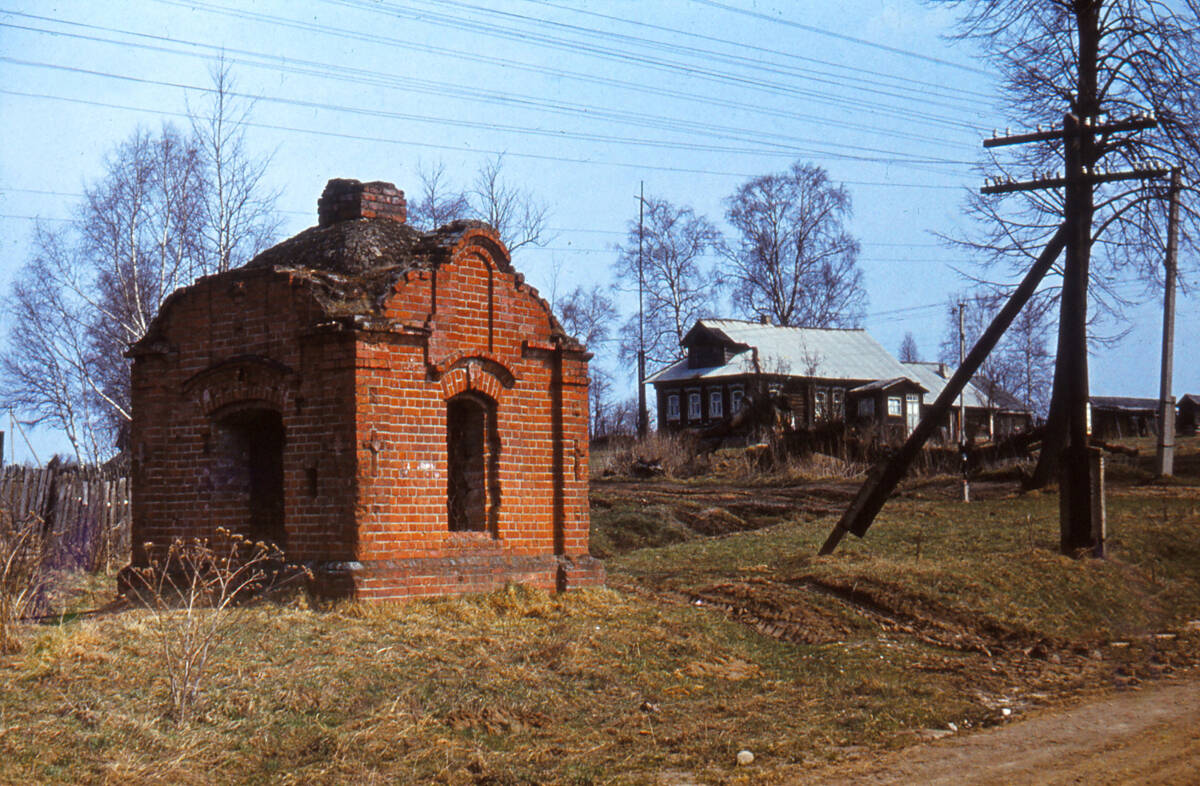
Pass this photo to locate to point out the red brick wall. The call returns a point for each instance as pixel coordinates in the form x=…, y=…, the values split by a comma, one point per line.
x=243, y=341
x=491, y=334
x=364, y=417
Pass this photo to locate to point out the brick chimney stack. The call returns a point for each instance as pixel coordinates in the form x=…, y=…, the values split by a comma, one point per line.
x=348, y=200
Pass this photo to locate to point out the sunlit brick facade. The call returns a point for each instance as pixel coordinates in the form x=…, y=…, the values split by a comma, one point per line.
x=397, y=409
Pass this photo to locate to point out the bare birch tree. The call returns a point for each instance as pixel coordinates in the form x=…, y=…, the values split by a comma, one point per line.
x=46, y=370
x=92, y=287
x=517, y=214
x=239, y=210
x=793, y=259
x=437, y=202
x=679, y=284
x=908, y=349
x=588, y=314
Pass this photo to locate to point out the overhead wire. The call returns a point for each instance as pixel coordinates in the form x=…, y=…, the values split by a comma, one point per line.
x=622, y=56
x=780, y=148
x=875, y=74
x=950, y=100
x=490, y=126
x=842, y=36
x=434, y=87
x=541, y=69
x=455, y=148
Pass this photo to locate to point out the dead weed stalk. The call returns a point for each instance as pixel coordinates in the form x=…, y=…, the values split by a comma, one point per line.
x=194, y=589
x=24, y=581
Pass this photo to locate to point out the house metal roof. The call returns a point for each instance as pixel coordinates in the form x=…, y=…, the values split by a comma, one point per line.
x=825, y=353
x=929, y=375
x=1124, y=403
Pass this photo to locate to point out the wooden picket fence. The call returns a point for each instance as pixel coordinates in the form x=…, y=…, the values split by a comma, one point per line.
x=84, y=513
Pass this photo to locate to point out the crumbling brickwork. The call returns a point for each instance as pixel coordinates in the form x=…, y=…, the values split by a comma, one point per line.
x=397, y=409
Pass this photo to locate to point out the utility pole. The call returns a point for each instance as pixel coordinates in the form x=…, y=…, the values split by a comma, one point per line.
x=1075, y=479
x=884, y=477
x=962, y=407
x=643, y=419
x=1166, y=404
x=1080, y=511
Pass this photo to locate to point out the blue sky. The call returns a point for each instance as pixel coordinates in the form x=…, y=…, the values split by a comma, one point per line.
x=585, y=99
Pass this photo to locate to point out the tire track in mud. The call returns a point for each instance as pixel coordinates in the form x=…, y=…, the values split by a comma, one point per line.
x=792, y=610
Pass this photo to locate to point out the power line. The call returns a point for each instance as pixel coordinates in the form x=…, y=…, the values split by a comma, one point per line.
x=785, y=150
x=456, y=149
x=625, y=57
x=844, y=37
x=709, y=55
x=765, y=50
x=433, y=87
x=642, y=87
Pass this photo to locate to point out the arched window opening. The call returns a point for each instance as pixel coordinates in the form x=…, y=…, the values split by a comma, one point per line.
x=248, y=482
x=473, y=452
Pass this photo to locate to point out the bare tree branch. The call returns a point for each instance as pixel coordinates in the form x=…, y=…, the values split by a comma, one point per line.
x=794, y=261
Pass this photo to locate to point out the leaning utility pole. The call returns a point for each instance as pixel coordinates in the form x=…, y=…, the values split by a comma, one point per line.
x=643, y=419
x=884, y=476
x=1166, y=404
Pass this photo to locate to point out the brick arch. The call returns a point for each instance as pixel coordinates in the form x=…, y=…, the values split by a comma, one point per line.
x=484, y=243
x=481, y=359
x=475, y=374
x=238, y=380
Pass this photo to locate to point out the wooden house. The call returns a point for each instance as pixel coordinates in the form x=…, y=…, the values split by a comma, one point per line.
x=817, y=376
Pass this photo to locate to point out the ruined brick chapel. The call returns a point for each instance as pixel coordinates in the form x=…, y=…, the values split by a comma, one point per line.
x=396, y=409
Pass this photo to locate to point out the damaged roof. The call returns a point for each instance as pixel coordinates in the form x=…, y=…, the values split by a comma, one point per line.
x=1124, y=403
x=354, y=264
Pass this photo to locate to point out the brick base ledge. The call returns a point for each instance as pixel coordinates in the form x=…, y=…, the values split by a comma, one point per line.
x=410, y=578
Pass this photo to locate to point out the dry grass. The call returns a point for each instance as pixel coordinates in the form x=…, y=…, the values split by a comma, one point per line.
x=512, y=687
x=619, y=686
x=681, y=457
x=677, y=454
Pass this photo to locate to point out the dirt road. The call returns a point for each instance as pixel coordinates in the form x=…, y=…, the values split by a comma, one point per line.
x=1149, y=736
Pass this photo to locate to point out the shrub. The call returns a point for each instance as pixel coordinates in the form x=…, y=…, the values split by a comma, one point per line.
x=194, y=588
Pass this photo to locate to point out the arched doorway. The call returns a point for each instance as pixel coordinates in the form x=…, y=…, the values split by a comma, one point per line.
x=248, y=483
x=472, y=463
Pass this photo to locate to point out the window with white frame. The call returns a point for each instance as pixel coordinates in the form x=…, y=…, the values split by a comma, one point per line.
x=735, y=401
x=839, y=403
x=894, y=410
x=673, y=406
x=716, y=405
x=694, y=411
x=820, y=405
